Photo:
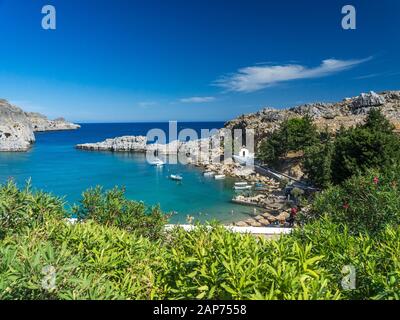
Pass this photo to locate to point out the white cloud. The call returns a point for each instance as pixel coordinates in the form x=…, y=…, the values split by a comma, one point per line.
x=255, y=78
x=146, y=104
x=197, y=99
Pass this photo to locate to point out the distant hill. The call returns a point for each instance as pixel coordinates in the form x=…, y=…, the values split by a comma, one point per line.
x=347, y=112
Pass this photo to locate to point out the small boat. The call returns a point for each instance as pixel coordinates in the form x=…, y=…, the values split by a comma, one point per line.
x=246, y=187
x=175, y=177
x=209, y=174
x=261, y=187
x=219, y=177
x=240, y=184
x=157, y=162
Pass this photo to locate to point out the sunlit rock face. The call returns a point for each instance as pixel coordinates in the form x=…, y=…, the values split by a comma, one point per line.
x=42, y=123
x=17, y=127
x=16, y=132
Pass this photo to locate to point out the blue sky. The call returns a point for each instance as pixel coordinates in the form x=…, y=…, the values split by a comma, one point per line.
x=148, y=60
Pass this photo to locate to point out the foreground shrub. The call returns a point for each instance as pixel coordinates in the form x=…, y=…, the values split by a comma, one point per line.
x=111, y=208
x=96, y=259
x=22, y=209
x=375, y=259
x=218, y=264
x=366, y=203
x=89, y=262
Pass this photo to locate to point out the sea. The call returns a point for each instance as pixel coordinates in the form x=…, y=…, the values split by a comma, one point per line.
x=54, y=165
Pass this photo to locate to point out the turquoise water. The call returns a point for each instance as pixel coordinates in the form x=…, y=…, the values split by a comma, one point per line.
x=54, y=165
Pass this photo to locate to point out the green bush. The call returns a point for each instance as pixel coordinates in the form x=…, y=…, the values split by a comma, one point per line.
x=366, y=203
x=111, y=208
x=90, y=262
x=100, y=258
x=213, y=263
x=375, y=259
x=22, y=209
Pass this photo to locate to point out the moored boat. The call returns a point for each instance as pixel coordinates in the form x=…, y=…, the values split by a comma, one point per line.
x=219, y=177
x=241, y=184
x=176, y=177
x=209, y=174
x=157, y=162
x=246, y=187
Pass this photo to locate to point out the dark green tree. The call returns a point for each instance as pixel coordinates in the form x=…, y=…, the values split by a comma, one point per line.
x=371, y=145
x=294, y=134
x=318, y=163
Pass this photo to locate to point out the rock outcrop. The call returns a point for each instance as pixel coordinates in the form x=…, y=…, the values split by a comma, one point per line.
x=42, y=123
x=120, y=144
x=201, y=151
x=17, y=127
x=16, y=133
x=347, y=113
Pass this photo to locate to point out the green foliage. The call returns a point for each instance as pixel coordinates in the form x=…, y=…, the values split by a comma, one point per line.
x=90, y=262
x=376, y=121
x=294, y=134
x=376, y=259
x=360, y=148
x=354, y=150
x=213, y=263
x=103, y=258
x=111, y=208
x=21, y=209
x=318, y=163
x=365, y=203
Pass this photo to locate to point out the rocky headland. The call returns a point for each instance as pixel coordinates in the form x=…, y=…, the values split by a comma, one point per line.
x=17, y=127
x=41, y=123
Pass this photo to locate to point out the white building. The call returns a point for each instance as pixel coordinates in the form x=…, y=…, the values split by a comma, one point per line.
x=244, y=157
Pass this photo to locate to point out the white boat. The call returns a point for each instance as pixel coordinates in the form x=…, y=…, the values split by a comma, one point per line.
x=175, y=177
x=247, y=187
x=157, y=162
x=209, y=174
x=240, y=184
x=219, y=177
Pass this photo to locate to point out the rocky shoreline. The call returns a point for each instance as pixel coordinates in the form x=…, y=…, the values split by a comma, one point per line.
x=17, y=127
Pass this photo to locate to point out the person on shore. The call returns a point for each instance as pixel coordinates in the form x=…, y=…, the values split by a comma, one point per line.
x=292, y=218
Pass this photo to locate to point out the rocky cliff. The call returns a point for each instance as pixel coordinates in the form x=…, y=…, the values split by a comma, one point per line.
x=348, y=112
x=16, y=132
x=17, y=127
x=41, y=123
